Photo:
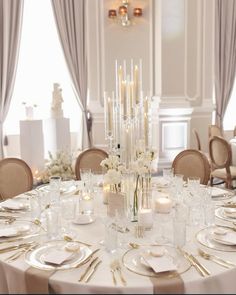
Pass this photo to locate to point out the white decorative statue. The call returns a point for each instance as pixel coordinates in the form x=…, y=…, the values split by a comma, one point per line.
x=57, y=100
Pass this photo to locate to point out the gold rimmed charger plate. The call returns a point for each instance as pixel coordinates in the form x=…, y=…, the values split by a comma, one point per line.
x=65, y=189
x=131, y=259
x=23, y=228
x=206, y=238
x=36, y=256
x=221, y=213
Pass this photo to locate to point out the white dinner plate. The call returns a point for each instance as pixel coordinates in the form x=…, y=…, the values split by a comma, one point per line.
x=208, y=238
x=222, y=213
x=36, y=257
x=67, y=188
x=132, y=261
x=17, y=228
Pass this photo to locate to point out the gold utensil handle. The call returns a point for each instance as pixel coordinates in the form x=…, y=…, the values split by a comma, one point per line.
x=87, y=259
x=204, y=269
x=93, y=271
x=122, y=277
x=113, y=277
x=87, y=269
x=220, y=262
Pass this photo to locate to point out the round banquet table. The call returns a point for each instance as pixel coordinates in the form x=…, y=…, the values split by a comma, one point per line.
x=221, y=280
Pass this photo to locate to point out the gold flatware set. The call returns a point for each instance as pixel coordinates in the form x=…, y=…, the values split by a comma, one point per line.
x=116, y=268
x=216, y=259
x=91, y=268
x=195, y=263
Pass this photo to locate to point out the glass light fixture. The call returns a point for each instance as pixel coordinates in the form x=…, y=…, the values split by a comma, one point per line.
x=123, y=17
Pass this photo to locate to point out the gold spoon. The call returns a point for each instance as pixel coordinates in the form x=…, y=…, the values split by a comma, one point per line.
x=69, y=239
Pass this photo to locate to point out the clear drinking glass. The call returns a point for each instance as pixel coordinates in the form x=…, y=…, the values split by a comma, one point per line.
x=68, y=209
x=53, y=222
x=86, y=177
x=55, y=186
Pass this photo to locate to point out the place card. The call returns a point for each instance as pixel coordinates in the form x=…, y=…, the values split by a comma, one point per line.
x=57, y=257
x=160, y=264
x=116, y=203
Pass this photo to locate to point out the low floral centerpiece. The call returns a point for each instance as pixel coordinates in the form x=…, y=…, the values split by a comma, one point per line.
x=58, y=165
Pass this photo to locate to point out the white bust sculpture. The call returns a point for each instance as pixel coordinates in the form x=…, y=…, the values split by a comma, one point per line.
x=57, y=100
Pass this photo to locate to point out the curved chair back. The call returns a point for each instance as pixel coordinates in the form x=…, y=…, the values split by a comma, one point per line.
x=221, y=156
x=15, y=177
x=192, y=163
x=220, y=152
x=197, y=138
x=90, y=158
x=214, y=130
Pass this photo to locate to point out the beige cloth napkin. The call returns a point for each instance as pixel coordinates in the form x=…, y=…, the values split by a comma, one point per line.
x=165, y=284
x=37, y=281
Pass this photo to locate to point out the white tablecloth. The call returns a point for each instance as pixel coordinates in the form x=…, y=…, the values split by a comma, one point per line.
x=220, y=281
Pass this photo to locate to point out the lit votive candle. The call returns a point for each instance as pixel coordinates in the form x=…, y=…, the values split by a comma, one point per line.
x=86, y=204
x=106, y=191
x=145, y=218
x=163, y=205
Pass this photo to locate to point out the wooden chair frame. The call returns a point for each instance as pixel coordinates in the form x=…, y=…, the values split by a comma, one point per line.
x=202, y=157
x=83, y=154
x=226, y=164
x=29, y=182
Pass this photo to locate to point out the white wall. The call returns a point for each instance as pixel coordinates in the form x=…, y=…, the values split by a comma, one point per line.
x=174, y=39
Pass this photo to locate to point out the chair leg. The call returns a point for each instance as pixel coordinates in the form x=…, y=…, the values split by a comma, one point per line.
x=211, y=181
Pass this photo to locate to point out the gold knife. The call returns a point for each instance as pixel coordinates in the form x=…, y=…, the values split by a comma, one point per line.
x=93, y=271
x=87, y=259
x=191, y=261
x=9, y=240
x=12, y=248
x=88, y=268
x=205, y=270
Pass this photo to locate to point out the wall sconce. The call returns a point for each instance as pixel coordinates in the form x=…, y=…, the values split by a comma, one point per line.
x=122, y=17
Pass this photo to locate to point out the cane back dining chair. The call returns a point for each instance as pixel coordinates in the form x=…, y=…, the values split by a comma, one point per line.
x=221, y=157
x=90, y=158
x=15, y=177
x=214, y=130
x=192, y=163
x=195, y=133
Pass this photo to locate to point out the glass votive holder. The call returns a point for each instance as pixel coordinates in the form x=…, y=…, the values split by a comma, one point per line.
x=145, y=211
x=55, y=183
x=86, y=203
x=105, y=193
x=52, y=222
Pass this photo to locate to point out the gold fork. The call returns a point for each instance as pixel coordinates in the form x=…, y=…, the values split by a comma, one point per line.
x=117, y=267
x=216, y=259
x=113, y=273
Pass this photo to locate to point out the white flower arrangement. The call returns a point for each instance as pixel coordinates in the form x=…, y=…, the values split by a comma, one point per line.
x=60, y=165
x=114, y=169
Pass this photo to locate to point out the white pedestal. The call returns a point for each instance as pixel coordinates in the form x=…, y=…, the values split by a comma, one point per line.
x=57, y=135
x=32, y=143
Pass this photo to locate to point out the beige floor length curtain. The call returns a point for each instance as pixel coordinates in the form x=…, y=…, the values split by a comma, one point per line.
x=225, y=54
x=70, y=16
x=11, y=13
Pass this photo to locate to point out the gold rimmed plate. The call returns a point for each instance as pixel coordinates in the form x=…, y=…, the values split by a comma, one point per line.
x=224, y=213
x=208, y=238
x=17, y=228
x=67, y=188
x=133, y=261
x=36, y=257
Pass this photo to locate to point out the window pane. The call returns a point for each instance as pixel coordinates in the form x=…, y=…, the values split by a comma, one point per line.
x=41, y=63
